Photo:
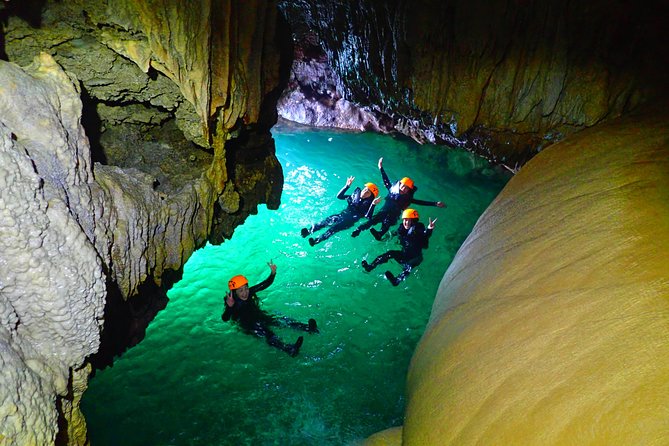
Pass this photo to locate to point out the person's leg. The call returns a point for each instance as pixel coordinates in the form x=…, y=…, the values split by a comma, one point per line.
x=310, y=327
x=376, y=218
x=332, y=219
x=389, y=220
x=263, y=330
x=407, y=266
x=344, y=223
x=383, y=258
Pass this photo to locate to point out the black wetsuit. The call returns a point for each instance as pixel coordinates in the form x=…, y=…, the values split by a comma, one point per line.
x=357, y=208
x=253, y=320
x=393, y=205
x=413, y=241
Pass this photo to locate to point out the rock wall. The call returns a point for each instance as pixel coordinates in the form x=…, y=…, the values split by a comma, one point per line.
x=312, y=96
x=52, y=280
x=503, y=78
x=551, y=325
x=77, y=233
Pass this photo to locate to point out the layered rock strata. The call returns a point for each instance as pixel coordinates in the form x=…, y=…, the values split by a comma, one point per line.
x=76, y=233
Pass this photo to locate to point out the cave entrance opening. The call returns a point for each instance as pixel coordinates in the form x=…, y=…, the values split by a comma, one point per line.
x=348, y=380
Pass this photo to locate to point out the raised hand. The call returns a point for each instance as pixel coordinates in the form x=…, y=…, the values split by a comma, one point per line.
x=272, y=266
x=349, y=181
x=229, y=300
x=431, y=223
x=440, y=204
x=380, y=163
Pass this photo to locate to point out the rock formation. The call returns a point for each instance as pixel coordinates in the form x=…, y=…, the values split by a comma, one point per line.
x=312, y=96
x=77, y=236
x=551, y=325
x=502, y=78
x=131, y=132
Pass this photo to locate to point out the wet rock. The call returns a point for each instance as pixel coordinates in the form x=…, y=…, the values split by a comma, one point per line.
x=500, y=79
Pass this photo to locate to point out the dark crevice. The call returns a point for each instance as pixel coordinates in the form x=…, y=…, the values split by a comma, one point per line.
x=28, y=10
x=62, y=436
x=92, y=124
x=126, y=320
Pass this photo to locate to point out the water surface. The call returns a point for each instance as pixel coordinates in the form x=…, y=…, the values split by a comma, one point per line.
x=195, y=380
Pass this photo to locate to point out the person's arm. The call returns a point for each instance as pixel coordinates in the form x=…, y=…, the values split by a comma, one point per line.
x=229, y=303
x=370, y=211
x=386, y=180
x=430, y=227
x=438, y=204
x=341, y=195
x=267, y=282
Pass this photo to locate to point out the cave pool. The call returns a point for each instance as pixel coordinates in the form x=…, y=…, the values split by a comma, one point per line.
x=195, y=380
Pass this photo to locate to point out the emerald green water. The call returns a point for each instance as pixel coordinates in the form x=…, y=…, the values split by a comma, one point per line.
x=195, y=380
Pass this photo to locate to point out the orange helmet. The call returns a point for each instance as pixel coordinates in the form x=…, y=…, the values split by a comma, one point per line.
x=237, y=282
x=373, y=189
x=410, y=213
x=408, y=182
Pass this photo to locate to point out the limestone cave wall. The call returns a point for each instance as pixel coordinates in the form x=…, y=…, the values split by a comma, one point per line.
x=502, y=78
x=131, y=134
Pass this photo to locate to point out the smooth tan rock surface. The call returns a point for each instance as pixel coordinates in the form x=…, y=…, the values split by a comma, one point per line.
x=388, y=437
x=551, y=326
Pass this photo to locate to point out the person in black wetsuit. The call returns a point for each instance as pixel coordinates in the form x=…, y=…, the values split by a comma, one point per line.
x=242, y=306
x=414, y=238
x=360, y=204
x=400, y=196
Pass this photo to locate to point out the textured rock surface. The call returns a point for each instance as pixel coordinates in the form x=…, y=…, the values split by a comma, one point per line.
x=74, y=233
x=311, y=97
x=504, y=78
x=52, y=287
x=551, y=326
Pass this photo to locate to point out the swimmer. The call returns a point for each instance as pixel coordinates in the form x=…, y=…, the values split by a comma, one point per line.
x=243, y=307
x=361, y=203
x=414, y=238
x=400, y=197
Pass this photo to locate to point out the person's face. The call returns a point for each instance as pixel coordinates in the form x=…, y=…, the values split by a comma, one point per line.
x=403, y=189
x=365, y=193
x=243, y=292
x=407, y=223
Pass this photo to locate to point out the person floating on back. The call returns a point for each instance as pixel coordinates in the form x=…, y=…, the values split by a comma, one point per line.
x=414, y=238
x=242, y=306
x=360, y=204
x=400, y=196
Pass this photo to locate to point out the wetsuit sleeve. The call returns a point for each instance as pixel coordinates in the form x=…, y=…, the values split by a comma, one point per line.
x=370, y=211
x=227, y=313
x=386, y=180
x=424, y=202
x=262, y=285
x=341, y=193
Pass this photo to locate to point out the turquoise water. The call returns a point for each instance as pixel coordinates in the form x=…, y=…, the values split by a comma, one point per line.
x=195, y=380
